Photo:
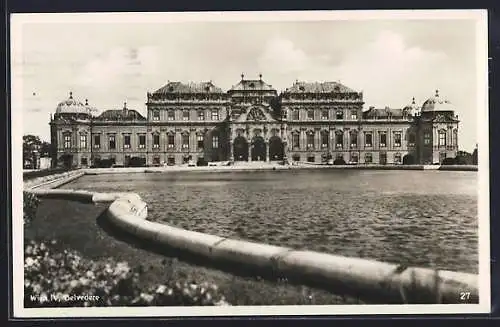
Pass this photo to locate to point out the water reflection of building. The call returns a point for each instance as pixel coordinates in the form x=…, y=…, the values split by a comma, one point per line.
x=252, y=122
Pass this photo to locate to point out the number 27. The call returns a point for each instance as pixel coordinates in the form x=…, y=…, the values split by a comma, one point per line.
x=464, y=296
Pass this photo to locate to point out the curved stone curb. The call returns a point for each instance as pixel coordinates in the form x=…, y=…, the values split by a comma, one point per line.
x=367, y=279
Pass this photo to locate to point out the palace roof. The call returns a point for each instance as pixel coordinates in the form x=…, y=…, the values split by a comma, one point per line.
x=72, y=106
x=319, y=87
x=120, y=114
x=374, y=113
x=192, y=87
x=252, y=85
x=436, y=103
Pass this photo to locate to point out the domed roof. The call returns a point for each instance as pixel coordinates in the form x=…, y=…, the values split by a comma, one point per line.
x=437, y=103
x=72, y=106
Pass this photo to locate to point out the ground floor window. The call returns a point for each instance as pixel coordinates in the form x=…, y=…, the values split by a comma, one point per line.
x=112, y=159
x=84, y=161
x=354, y=157
x=310, y=158
x=296, y=157
x=156, y=160
x=397, y=158
x=186, y=159
x=127, y=160
x=171, y=161
x=368, y=158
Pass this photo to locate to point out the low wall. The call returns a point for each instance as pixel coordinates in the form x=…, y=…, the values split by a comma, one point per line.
x=366, y=279
x=459, y=167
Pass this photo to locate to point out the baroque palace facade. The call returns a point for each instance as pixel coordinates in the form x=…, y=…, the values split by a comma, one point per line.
x=200, y=122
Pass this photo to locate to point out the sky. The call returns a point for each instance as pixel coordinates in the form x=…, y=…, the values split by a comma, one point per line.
x=110, y=62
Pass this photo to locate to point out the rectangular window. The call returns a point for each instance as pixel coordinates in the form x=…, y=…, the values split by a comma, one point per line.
x=97, y=141
x=215, y=114
x=427, y=138
x=201, y=115
x=170, y=141
x=156, y=141
x=296, y=141
x=126, y=141
x=156, y=115
x=339, y=141
x=310, y=158
x=412, y=139
x=368, y=140
x=215, y=141
x=354, y=114
x=324, y=115
x=397, y=158
x=310, y=114
x=296, y=114
x=84, y=161
x=171, y=115
x=199, y=138
x=325, y=139
x=185, y=115
x=383, y=139
x=310, y=141
x=397, y=139
x=368, y=158
x=340, y=114
x=354, y=140
x=442, y=138
x=354, y=157
x=67, y=141
x=142, y=141
x=83, y=141
x=185, y=141
x=112, y=142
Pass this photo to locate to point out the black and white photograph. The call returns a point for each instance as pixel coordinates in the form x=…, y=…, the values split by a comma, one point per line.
x=250, y=163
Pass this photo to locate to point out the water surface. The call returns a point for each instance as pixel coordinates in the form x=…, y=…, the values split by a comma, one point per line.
x=423, y=218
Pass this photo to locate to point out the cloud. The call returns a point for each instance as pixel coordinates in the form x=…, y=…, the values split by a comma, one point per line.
x=124, y=69
x=281, y=55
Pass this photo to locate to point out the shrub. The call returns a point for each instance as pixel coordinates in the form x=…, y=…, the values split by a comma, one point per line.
x=137, y=162
x=52, y=277
x=30, y=205
x=339, y=161
x=448, y=161
x=408, y=160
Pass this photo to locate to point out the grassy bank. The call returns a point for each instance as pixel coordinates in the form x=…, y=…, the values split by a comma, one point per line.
x=84, y=228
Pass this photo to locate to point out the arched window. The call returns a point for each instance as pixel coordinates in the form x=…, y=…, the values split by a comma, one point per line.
x=310, y=140
x=354, y=139
x=295, y=140
x=339, y=140
x=325, y=139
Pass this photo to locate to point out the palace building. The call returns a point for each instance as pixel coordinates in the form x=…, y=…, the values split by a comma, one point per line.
x=200, y=122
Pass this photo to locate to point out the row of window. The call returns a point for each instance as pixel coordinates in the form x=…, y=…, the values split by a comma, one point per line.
x=354, y=158
x=339, y=140
x=185, y=139
x=325, y=114
x=442, y=138
x=214, y=115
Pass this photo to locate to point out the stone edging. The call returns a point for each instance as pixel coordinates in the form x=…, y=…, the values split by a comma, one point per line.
x=367, y=279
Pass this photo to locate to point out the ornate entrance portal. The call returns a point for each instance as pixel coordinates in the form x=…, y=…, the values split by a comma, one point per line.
x=240, y=149
x=258, y=149
x=276, y=148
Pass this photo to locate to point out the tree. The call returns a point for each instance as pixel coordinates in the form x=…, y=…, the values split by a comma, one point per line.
x=32, y=143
